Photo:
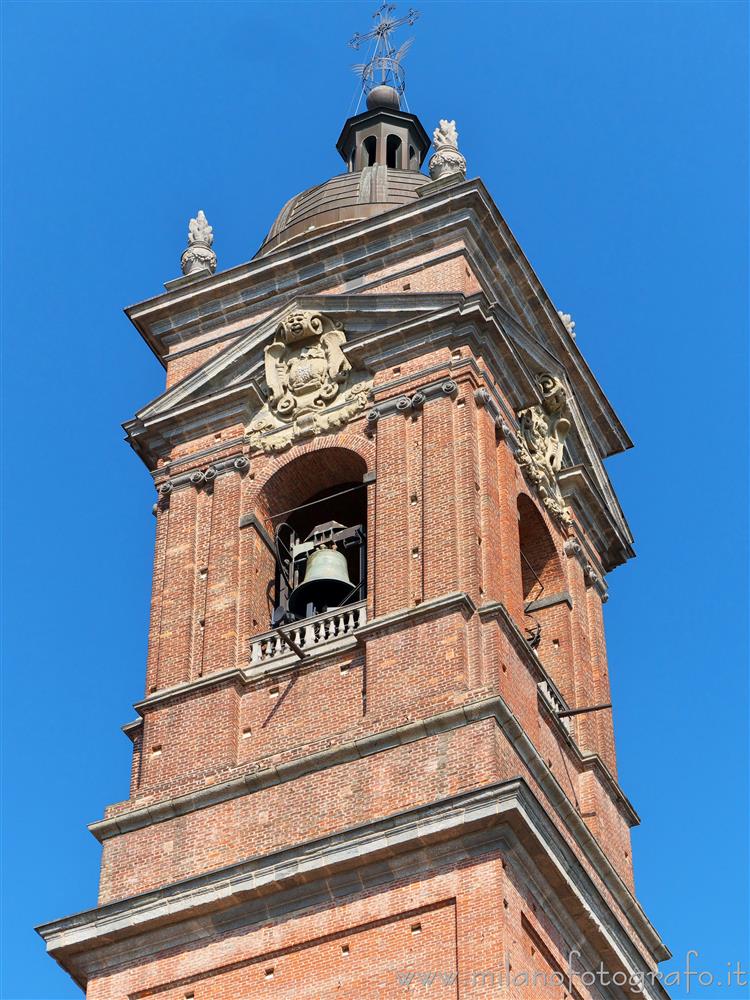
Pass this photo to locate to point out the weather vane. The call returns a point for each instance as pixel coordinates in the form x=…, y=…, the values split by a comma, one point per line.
x=384, y=65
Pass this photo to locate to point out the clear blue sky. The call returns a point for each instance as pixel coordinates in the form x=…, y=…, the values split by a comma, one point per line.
x=613, y=139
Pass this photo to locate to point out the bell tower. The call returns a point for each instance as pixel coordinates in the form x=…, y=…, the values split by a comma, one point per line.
x=374, y=756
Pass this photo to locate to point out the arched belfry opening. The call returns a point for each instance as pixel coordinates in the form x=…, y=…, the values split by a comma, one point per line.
x=541, y=572
x=317, y=517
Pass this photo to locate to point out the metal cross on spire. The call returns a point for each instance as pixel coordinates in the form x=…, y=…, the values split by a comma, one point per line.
x=384, y=65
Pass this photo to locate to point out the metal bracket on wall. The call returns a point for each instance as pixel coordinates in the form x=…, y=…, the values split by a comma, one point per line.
x=567, y=712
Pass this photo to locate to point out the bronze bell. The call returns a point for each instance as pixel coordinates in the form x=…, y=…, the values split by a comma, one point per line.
x=326, y=583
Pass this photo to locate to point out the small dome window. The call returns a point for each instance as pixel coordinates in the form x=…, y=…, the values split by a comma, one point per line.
x=370, y=150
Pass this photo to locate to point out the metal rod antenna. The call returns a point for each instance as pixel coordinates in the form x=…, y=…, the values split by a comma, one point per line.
x=567, y=712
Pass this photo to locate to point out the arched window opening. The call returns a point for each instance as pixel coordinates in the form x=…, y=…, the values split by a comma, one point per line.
x=370, y=149
x=541, y=573
x=318, y=518
x=392, y=151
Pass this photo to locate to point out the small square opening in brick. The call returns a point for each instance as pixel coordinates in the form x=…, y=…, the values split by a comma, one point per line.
x=416, y=928
x=246, y=732
x=190, y=996
x=344, y=949
x=269, y=973
x=156, y=750
x=273, y=692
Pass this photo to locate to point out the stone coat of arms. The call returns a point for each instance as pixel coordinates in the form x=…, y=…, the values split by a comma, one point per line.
x=311, y=388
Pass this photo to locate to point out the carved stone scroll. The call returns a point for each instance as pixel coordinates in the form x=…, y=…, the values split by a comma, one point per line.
x=541, y=441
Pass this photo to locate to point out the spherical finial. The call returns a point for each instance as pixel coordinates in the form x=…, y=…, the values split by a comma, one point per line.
x=383, y=97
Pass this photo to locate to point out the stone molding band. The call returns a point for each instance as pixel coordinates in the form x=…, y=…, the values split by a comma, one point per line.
x=204, y=477
x=574, y=549
x=483, y=397
x=345, y=753
x=550, y=601
x=508, y=806
x=234, y=787
x=413, y=403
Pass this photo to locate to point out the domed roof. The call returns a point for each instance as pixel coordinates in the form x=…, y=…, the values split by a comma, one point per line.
x=344, y=199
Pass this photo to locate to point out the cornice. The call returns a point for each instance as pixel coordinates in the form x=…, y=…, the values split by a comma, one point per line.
x=241, y=784
x=611, y=535
x=119, y=926
x=316, y=654
x=204, y=477
x=464, y=209
x=344, y=753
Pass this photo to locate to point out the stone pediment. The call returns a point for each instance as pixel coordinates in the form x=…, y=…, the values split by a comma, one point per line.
x=288, y=379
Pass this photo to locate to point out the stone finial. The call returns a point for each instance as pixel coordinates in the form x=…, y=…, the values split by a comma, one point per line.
x=446, y=134
x=568, y=322
x=446, y=160
x=199, y=257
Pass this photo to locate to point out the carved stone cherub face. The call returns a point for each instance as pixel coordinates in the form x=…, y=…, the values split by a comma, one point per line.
x=299, y=326
x=295, y=325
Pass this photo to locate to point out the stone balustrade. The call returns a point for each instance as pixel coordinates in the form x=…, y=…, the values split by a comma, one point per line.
x=308, y=634
x=554, y=701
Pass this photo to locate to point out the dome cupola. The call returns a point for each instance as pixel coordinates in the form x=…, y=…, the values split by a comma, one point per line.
x=383, y=148
x=383, y=135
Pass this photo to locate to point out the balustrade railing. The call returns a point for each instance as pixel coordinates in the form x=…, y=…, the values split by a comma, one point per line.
x=307, y=634
x=556, y=704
